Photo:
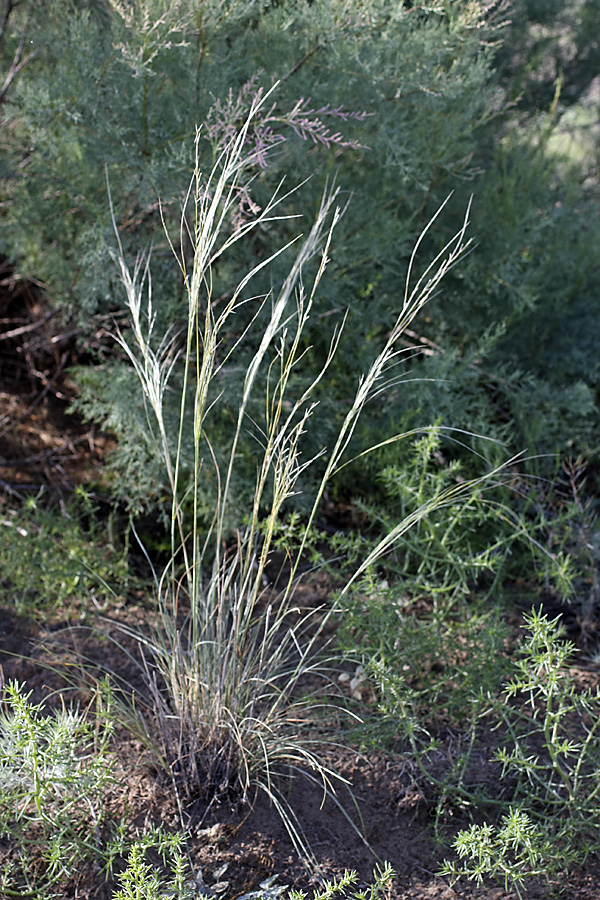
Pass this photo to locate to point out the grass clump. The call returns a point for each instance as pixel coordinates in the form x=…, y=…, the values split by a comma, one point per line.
x=228, y=659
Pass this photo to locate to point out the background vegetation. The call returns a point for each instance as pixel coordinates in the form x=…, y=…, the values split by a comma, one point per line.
x=486, y=105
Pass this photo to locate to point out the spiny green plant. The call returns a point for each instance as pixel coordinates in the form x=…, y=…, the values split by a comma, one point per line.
x=512, y=852
x=421, y=622
x=54, y=771
x=142, y=879
x=549, y=727
x=455, y=548
x=227, y=658
x=432, y=656
x=547, y=786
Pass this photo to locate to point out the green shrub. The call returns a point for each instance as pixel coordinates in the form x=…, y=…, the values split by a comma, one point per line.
x=54, y=771
x=142, y=879
x=512, y=852
x=425, y=660
x=546, y=727
x=118, y=89
x=549, y=727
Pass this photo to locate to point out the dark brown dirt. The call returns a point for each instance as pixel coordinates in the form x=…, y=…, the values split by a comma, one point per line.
x=41, y=445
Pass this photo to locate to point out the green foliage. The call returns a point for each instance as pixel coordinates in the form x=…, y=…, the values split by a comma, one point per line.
x=547, y=728
x=432, y=641
x=54, y=770
x=59, y=559
x=383, y=878
x=572, y=524
x=129, y=83
x=521, y=310
x=512, y=852
x=116, y=90
x=142, y=879
x=452, y=549
x=536, y=51
x=426, y=660
x=428, y=672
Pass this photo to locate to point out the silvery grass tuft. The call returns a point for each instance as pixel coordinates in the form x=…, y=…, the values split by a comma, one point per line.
x=226, y=664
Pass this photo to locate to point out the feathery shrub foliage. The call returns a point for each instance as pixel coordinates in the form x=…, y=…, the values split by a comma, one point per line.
x=406, y=104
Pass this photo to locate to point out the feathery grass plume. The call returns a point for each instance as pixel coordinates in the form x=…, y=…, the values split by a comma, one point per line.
x=227, y=660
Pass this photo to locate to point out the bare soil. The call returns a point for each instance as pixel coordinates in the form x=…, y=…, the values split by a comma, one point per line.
x=41, y=445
